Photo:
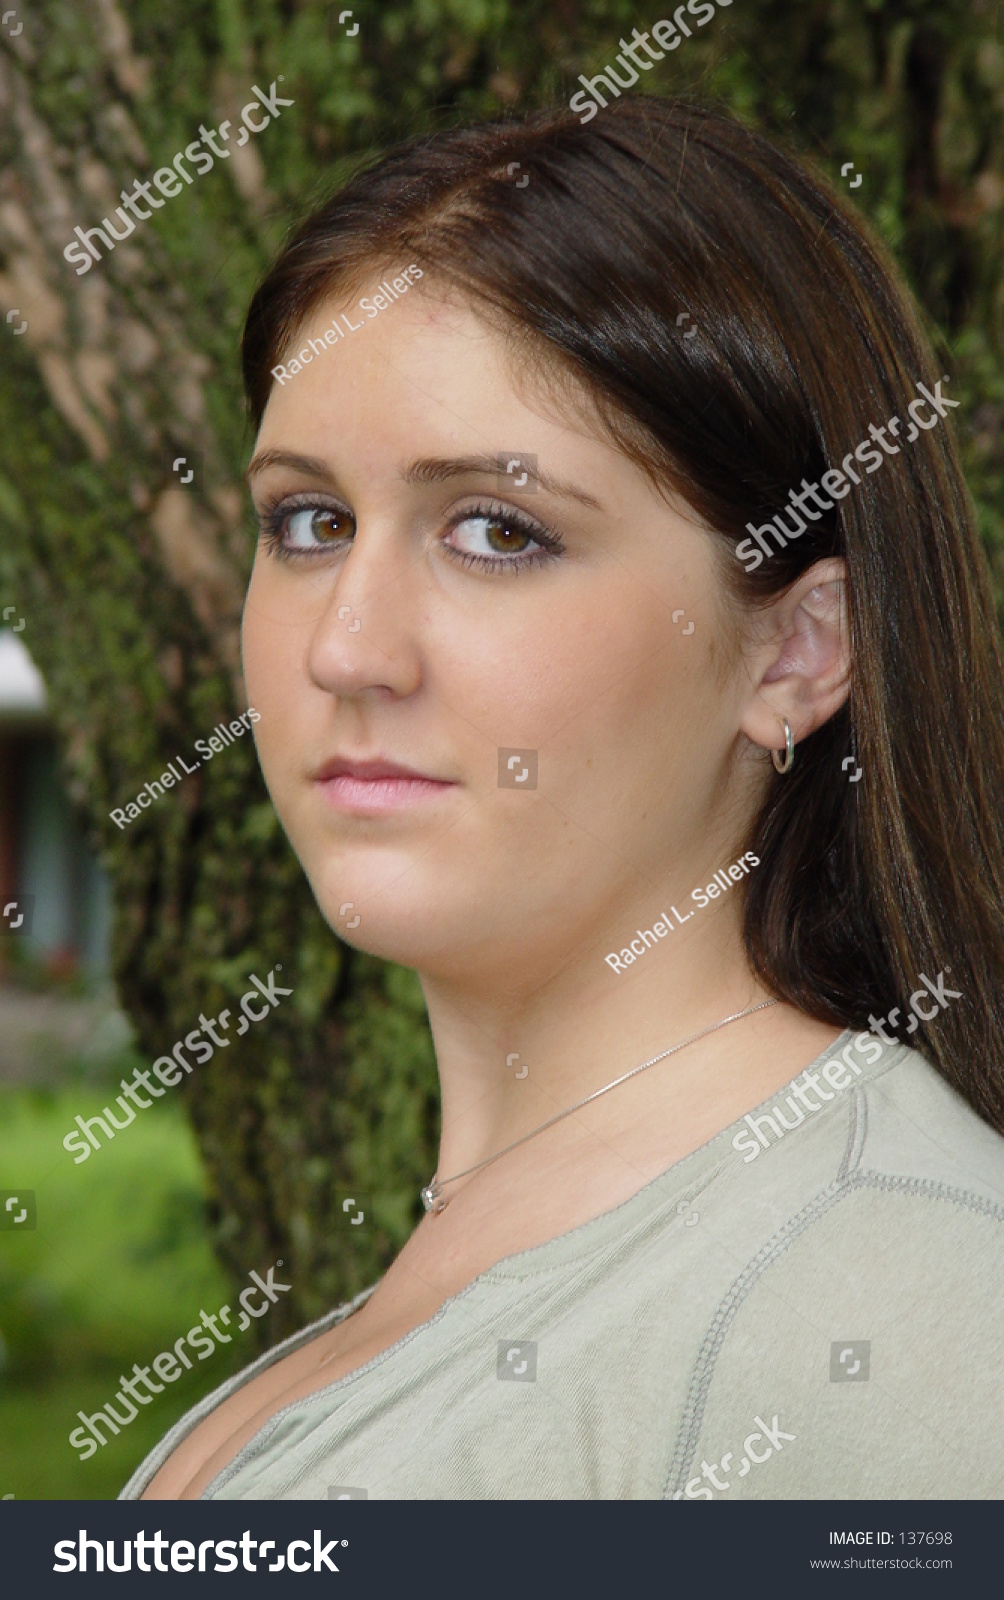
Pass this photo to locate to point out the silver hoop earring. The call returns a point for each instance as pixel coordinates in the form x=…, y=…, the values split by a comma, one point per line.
x=789, y=750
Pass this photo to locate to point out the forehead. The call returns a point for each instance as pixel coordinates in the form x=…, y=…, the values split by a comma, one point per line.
x=427, y=357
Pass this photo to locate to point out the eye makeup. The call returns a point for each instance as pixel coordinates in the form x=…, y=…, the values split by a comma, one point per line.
x=288, y=524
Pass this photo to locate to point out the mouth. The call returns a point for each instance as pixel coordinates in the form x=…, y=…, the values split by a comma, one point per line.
x=376, y=785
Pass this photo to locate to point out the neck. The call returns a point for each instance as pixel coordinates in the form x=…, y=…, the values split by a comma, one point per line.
x=514, y=1051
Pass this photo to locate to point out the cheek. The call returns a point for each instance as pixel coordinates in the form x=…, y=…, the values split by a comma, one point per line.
x=614, y=670
x=255, y=635
x=557, y=677
x=272, y=655
x=518, y=679
x=272, y=631
x=634, y=717
x=562, y=686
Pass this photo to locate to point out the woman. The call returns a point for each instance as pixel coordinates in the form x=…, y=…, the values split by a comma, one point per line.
x=708, y=842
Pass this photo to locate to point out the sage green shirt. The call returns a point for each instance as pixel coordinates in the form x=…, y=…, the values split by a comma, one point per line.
x=809, y=1306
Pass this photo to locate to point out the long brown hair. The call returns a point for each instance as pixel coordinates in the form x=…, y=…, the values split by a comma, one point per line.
x=800, y=337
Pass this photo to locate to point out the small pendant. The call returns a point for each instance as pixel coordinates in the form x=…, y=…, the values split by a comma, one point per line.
x=431, y=1197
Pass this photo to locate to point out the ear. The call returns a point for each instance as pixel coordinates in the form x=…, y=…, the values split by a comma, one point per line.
x=800, y=664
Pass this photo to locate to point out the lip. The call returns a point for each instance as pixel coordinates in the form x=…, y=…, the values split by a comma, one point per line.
x=377, y=767
x=376, y=785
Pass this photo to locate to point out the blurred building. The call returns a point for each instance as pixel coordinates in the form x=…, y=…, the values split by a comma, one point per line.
x=44, y=859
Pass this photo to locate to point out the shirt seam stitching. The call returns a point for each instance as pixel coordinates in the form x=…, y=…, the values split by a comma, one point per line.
x=729, y=1307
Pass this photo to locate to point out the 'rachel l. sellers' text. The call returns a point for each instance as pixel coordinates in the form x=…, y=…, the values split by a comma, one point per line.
x=222, y=735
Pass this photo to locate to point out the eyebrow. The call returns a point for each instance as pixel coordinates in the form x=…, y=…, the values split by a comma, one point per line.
x=285, y=458
x=430, y=469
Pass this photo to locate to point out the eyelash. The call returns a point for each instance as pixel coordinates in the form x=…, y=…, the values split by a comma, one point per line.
x=274, y=515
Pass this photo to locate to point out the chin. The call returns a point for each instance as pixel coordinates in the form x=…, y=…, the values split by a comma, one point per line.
x=386, y=929
x=376, y=936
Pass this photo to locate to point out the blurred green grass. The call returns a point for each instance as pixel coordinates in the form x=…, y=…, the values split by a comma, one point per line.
x=117, y=1268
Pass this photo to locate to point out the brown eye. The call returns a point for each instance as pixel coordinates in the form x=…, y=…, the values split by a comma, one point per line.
x=491, y=533
x=502, y=536
x=316, y=526
x=496, y=538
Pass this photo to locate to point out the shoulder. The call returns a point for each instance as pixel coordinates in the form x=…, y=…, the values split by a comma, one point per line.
x=858, y=1355
x=917, y=1125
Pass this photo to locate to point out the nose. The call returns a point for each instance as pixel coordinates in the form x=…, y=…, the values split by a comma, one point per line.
x=364, y=636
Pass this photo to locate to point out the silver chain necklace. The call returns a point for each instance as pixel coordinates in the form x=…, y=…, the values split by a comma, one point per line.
x=432, y=1193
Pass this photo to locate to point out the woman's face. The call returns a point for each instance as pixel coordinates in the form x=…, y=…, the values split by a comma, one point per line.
x=568, y=698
